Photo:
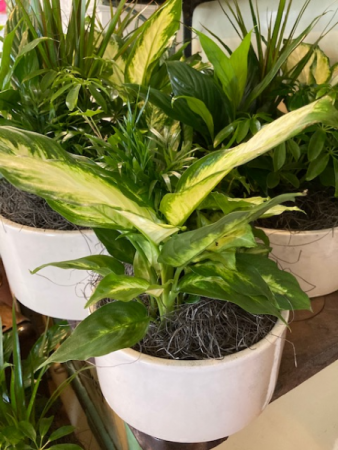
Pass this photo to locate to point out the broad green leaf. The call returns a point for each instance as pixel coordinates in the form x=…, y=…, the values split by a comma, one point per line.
x=44, y=425
x=293, y=147
x=27, y=429
x=101, y=264
x=187, y=81
x=231, y=71
x=156, y=36
x=316, y=144
x=118, y=287
x=201, y=178
x=317, y=166
x=184, y=247
x=223, y=134
x=221, y=288
x=198, y=107
x=116, y=245
x=112, y=327
x=72, y=97
x=61, y=432
x=284, y=286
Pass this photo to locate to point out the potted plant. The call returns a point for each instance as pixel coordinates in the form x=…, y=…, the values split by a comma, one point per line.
x=180, y=255
x=304, y=244
x=231, y=106
x=65, y=88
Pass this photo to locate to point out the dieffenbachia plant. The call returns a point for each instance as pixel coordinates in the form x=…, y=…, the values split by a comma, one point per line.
x=174, y=258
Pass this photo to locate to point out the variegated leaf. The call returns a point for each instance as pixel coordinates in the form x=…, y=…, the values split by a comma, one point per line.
x=157, y=34
x=199, y=180
x=37, y=164
x=113, y=327
x=183, y=248
x=101, y=264
x=118, y=287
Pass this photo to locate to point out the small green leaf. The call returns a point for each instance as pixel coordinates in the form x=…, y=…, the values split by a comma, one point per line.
x=316, y=144
x=100, y=264
x=279, y=156
x=44, y=425
x=317, y=166
x=118, y=287
x=61, y=432
x=112, y=327
x=272, y=180
x=292, y=179
x=243, y=130
x=27, y=429
x=294, y=149
x=72, y=97
x=223, y=134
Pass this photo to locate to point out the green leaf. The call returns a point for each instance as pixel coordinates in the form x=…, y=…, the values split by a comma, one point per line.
x=112, y=327
x=72, y=97
x=101, y=264
x=279, y=156
x=244, y=288
x=61, y=432
x=294, y=148
x=317, y=166
x=116, y=245
x=284, y=286
x=242, y=130
x=316, y=144
x=155, y=38
x=198, y=107
x=201, y=178
x=183, y=248
x=232, y=72
x=118, y=287
x=223, y=134
x=44, y=425
x=187, y=81
x=272, y=180
x=27, y=429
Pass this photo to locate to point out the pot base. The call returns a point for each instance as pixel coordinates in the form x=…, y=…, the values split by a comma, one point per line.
x=147, y=442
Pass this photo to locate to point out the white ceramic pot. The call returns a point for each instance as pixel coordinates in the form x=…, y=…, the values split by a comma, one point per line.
x=311, y=256
x=192, y=401
x=53, y=292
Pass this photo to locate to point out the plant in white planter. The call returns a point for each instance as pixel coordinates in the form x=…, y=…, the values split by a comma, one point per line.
x=305, y=244
x=179, y=256
x=60, y=82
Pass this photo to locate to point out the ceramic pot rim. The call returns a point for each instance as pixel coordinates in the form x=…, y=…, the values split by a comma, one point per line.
x=269, y=339
x=27, y=229
x=280, y=232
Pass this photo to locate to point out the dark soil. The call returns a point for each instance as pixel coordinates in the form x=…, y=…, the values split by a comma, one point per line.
x=321, y=212
x=205, y=330
x=30, y=210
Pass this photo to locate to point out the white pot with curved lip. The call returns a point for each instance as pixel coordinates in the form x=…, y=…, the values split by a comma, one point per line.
x=192, y=401
x=311, y=256
x=53, y=292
